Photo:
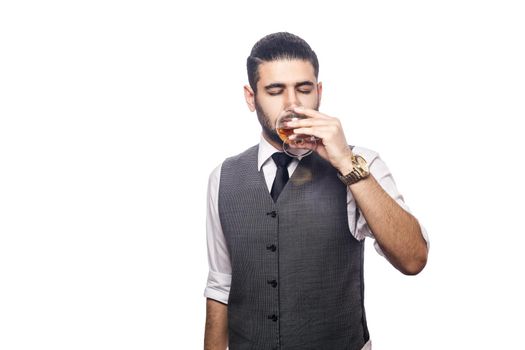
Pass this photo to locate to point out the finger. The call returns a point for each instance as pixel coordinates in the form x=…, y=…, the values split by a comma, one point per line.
x=312, y=113
x=319, y=133
x=322, y=132
x=309, y=122
x=304, y=143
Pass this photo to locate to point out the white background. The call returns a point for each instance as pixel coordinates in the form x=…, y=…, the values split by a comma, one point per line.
x=113, y=114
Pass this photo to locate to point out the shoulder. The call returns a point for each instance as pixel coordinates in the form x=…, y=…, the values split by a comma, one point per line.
x=249, y=154
x=232, y=160
x=215, y=175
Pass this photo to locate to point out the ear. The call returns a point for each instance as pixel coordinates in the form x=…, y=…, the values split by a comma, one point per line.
x=320, y=91
x=249, y=96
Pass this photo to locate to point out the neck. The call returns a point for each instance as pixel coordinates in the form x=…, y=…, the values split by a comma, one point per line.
x=278, y=145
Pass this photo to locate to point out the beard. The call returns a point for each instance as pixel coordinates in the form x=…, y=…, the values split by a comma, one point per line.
x=267, y=127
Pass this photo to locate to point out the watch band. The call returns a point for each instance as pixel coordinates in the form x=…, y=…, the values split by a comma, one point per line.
x=359, y=171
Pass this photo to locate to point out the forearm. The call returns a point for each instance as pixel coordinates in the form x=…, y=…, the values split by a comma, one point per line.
x=397, y=232
x=216, y=330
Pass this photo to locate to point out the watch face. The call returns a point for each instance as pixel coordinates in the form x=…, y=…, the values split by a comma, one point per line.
x=362, y=163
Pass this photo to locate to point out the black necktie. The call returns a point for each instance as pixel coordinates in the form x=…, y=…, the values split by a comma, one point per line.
x=281, y=177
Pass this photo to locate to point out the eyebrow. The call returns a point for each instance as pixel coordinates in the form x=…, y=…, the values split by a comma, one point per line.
x=281, y=85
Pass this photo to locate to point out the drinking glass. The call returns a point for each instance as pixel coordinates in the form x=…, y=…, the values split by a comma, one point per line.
x=301, y=145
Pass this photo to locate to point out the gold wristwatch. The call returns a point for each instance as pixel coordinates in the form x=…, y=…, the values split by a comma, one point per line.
x=359, y=172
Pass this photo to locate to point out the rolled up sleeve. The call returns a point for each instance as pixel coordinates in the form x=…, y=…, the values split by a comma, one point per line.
x=219, y=275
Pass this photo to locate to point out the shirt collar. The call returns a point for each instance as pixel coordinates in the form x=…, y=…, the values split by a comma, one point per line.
x=265, y=152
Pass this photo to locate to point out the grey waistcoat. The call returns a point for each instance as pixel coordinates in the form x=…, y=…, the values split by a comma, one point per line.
x=297, y=271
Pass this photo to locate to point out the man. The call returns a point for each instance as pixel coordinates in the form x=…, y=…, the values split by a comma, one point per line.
x=285, y=236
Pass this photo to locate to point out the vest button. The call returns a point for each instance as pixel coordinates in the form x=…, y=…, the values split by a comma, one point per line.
x=272, y=213
x=274, y=318
x=273, y=283
x=271, y=247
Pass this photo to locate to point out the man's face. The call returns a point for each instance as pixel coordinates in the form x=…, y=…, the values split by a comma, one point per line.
x=284, y=84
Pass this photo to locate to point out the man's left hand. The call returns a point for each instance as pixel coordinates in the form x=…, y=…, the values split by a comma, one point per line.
x=332, y=144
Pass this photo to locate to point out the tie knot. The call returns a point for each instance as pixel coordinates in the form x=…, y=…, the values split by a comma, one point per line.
x=282, y=160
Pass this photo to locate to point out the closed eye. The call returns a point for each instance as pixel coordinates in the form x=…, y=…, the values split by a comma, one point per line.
x=275, y=92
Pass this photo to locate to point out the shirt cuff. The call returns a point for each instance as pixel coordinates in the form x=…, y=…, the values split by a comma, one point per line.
x=218, y=286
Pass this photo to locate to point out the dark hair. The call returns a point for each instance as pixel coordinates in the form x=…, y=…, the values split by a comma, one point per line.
x=278, y=46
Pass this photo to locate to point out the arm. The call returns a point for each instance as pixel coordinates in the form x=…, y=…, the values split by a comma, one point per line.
x=397, y=232
x=219, y=276
x=216, y=331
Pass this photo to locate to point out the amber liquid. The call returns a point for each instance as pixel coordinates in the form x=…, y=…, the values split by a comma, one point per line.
x=284, y=133
x=303, y=144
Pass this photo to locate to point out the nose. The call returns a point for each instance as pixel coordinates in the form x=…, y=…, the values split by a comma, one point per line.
x=292, y=100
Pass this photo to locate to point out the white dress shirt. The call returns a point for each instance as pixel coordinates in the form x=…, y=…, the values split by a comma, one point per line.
x=219, y=276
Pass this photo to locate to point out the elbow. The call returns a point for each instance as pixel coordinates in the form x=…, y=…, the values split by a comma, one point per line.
x=413, y=269
x=415, y=265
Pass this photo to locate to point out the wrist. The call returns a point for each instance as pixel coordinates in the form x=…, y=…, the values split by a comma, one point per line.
x=345, y=166
x=359, y=171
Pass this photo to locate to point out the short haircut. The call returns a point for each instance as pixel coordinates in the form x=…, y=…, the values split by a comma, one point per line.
x=278, y=46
